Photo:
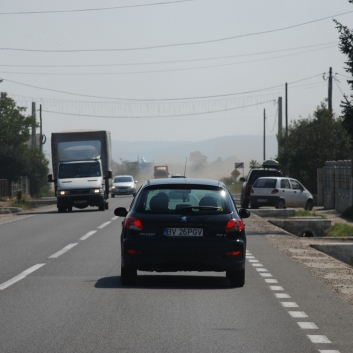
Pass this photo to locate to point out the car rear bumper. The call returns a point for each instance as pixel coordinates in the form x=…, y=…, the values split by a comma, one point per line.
x=264, y=200
x=123, y=191
x=168, y=255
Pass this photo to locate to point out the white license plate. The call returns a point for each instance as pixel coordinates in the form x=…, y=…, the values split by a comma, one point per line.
x=261, y=200
x=183, y=232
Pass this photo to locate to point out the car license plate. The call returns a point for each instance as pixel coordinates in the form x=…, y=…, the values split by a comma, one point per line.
x=183, y=232
x=261, y=200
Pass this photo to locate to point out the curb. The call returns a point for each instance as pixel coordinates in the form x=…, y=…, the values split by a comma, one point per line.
x=7, y=210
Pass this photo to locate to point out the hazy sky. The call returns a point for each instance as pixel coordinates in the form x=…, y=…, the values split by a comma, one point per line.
x=178, y=71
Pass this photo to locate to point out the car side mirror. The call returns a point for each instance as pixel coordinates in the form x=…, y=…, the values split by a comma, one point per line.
x=244, y=213
x=120, y=212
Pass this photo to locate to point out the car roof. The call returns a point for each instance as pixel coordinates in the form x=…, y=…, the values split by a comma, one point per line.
x=118, y=176
x=188, y=181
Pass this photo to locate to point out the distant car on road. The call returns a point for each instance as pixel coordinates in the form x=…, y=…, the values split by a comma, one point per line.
x=183, y=225
x=123, y=185
x=280, y=193
x=269, y=168
x=178, y=176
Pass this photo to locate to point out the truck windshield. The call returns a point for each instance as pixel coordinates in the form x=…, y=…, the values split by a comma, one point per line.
x=79, y=170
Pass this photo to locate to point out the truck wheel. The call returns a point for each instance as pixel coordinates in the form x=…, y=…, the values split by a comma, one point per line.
x=236, y=277
x=107, y=205
x=61, y=209
x=113, y=195
x=69, y=209
x=101, y=207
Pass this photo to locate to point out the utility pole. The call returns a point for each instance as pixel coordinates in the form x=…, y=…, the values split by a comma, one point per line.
x=41, y=130
x=279, y=123
x=286, y=109
x=264, y=134
x=33, y=141
x=330, y=91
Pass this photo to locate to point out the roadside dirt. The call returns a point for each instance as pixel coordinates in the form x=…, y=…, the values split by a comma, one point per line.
x=335, y=274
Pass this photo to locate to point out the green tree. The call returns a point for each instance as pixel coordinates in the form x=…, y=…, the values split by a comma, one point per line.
x=254, y=164
x=16, y=158
x=126, y=167
x=310, y=143
x=198, y=161
x=346, y=47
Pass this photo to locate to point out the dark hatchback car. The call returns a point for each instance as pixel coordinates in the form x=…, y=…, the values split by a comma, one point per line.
x=183, y=225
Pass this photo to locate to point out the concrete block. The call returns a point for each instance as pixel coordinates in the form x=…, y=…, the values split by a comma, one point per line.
x=340, y=251
x=311, y=227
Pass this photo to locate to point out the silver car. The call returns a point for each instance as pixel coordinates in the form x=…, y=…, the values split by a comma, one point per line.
x=123, y=185
x=280, y=192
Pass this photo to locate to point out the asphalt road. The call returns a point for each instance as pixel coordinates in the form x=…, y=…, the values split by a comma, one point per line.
x=60, y=292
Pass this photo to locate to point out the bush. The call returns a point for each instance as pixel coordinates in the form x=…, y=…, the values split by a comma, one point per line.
x=339, y=230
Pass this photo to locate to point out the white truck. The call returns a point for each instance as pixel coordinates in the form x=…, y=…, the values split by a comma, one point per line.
x=82, y=168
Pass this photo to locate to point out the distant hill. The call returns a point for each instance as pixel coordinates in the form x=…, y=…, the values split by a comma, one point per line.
x=243, y=147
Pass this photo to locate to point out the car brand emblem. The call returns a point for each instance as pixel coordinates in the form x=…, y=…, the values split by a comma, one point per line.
x=184, y=219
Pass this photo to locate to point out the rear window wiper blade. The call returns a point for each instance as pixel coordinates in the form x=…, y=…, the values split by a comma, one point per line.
x=200, y=208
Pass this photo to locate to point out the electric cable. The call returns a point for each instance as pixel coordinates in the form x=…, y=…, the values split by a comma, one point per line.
x=175, y=44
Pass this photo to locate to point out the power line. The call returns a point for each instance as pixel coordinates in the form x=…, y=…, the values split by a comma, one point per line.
x=157, y=100
x=93, y=9
x=155, y=71
x=175, y=44
x=174, y=61
x=156, y=116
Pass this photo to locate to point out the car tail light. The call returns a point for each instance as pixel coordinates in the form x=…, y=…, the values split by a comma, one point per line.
x=274, y=191
x=134, y=252
x=133, y=223
x=247, y=187
x=234, y=224
x=233, y=253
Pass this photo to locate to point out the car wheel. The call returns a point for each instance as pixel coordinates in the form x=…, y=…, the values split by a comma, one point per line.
x=281, y=204
x=236, y=277
x=309, y=205
x=113, y=195
x=101, y=207
x=107, y=205
x=128, y=275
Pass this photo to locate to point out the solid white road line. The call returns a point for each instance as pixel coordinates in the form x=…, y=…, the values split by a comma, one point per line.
x=20, y=276
x=319, y=339
x=62, y=251
x=307, y=325
x=88, y=235
x=297, y=314
x=103, y=225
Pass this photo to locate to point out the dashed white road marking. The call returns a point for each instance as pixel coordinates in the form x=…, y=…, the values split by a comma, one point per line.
x=257, y=265
x=114, y=218
x=282, y=295
x=307, y=325
x=103, y=225
x=271, y=280
x=297, y=314
x=20, y=276
x=276, y=288
x=62, y=251
x=319, y=339
x=261, y=269
x=250, y=257
x=328, y=351
x=290, y=305
x=87, y=235
x=253, y=260
x=265, y=274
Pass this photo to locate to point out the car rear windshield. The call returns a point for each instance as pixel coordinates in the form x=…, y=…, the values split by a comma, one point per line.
x=265, y=183
x=255, y=174
x=123, y=179
x=196, y=199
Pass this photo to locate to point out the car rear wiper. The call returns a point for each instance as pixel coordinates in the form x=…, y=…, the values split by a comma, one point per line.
x=200, y=208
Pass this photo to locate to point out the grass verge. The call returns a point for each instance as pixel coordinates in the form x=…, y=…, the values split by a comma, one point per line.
x=339, y=230
x=304, y=213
